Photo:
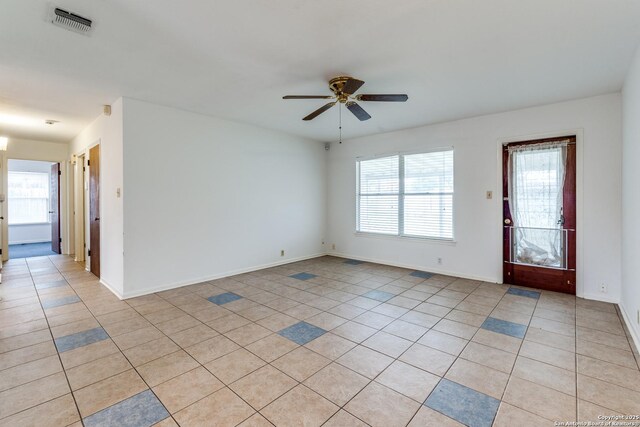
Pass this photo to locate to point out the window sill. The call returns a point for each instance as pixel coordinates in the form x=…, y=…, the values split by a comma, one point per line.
x=448, y=242
x=25, y=224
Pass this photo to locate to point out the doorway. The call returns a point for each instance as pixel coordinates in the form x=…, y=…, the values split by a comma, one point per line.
x=539, y=214
x=87, y=208
x=33, y=190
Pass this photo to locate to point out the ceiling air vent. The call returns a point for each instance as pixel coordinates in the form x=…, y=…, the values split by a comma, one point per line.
x=71, y=21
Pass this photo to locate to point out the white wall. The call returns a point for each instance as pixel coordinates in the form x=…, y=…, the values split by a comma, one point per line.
x=45, y=151
x=630, y=301
x=207, y=197
x=477, y=252
x=107, y=131
x=29, y=233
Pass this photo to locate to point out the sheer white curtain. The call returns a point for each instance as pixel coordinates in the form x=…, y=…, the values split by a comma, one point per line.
x=536, y=182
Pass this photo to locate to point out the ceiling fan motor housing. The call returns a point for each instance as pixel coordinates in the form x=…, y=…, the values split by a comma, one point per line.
x=336, y=85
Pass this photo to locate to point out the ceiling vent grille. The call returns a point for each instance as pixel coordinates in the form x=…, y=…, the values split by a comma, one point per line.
x=71, y=21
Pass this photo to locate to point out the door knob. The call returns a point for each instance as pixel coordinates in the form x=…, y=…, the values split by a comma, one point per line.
x=97, y=219
x=507, y=221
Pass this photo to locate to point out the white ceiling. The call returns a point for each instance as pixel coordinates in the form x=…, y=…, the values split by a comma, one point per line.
x=237, y=58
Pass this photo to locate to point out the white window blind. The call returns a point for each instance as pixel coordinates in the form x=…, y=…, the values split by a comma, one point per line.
x=407, y=195
x=379, y=192
x=28, y=197
x=428, y=194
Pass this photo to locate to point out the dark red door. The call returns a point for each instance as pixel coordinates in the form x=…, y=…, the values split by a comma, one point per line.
x=94, y=209
x=539, y=230
x=54, y=213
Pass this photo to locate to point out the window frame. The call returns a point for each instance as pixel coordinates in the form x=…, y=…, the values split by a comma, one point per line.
x=401, y=197
x=48, y=199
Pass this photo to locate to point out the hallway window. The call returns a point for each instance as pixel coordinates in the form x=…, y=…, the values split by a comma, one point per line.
x=28, y=197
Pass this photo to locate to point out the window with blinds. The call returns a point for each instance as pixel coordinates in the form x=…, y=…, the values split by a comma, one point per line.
x=407, y=195
x=28, y=197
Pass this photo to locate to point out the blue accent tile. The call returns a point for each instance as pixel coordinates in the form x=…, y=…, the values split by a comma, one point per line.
x=303, y=276
x=504, y=327
x=56, y=284
x=142, y=410
x=421, y=274
x=379, y=295
x=353, y=262
x=60, y=301
x=224, y=298
x=524, y=293
x=302, y=333
x=80, y=339
x=463, y=404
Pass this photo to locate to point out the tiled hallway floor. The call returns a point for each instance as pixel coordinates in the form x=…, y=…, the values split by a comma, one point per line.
x=328, y=342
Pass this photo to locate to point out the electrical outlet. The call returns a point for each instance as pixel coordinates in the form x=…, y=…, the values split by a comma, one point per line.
x=333, y=247
x=603, y=288
x=439, y=261
x=282, y=252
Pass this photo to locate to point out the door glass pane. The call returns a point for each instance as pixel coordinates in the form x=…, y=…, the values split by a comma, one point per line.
x=536, y=197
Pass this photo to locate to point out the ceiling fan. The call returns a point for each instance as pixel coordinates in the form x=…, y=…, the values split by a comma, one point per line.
x=344, y=88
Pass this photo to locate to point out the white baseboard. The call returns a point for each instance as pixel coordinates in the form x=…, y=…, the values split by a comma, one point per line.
x=111, y=288
x=600, y=297
x=26, y=242
x=168, y=286
x=413, y=267
x=635, y=334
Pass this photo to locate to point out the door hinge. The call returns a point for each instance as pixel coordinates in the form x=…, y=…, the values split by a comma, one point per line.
x=83, y=169
x=89, y=253
x=59, y=173
x=0, y=251
x=88, y=162
x=61, y=240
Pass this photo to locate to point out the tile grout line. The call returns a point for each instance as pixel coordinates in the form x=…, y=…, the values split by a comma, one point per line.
x=261, y=287
x=378, y=330
x=53, y=339
x=110, y=338
x=270, y=363
x=461, y=351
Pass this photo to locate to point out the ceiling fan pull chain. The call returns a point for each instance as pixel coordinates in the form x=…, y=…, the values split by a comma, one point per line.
x=340, y=124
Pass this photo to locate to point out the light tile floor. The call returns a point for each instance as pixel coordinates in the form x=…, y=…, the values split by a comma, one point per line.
x=328, y=342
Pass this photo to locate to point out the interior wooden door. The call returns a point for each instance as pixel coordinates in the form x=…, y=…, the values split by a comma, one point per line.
x=94, y=209
x=527, y=262
x=54, y=213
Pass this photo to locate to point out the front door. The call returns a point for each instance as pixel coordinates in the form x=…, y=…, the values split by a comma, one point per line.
x=54, y=212
x=94, y=209
x=539, y=214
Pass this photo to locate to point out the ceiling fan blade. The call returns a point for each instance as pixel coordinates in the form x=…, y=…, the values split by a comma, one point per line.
x=383, y=98
x=351, y=86
x=319, y=111
x=307, y=97
x=358, y=111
